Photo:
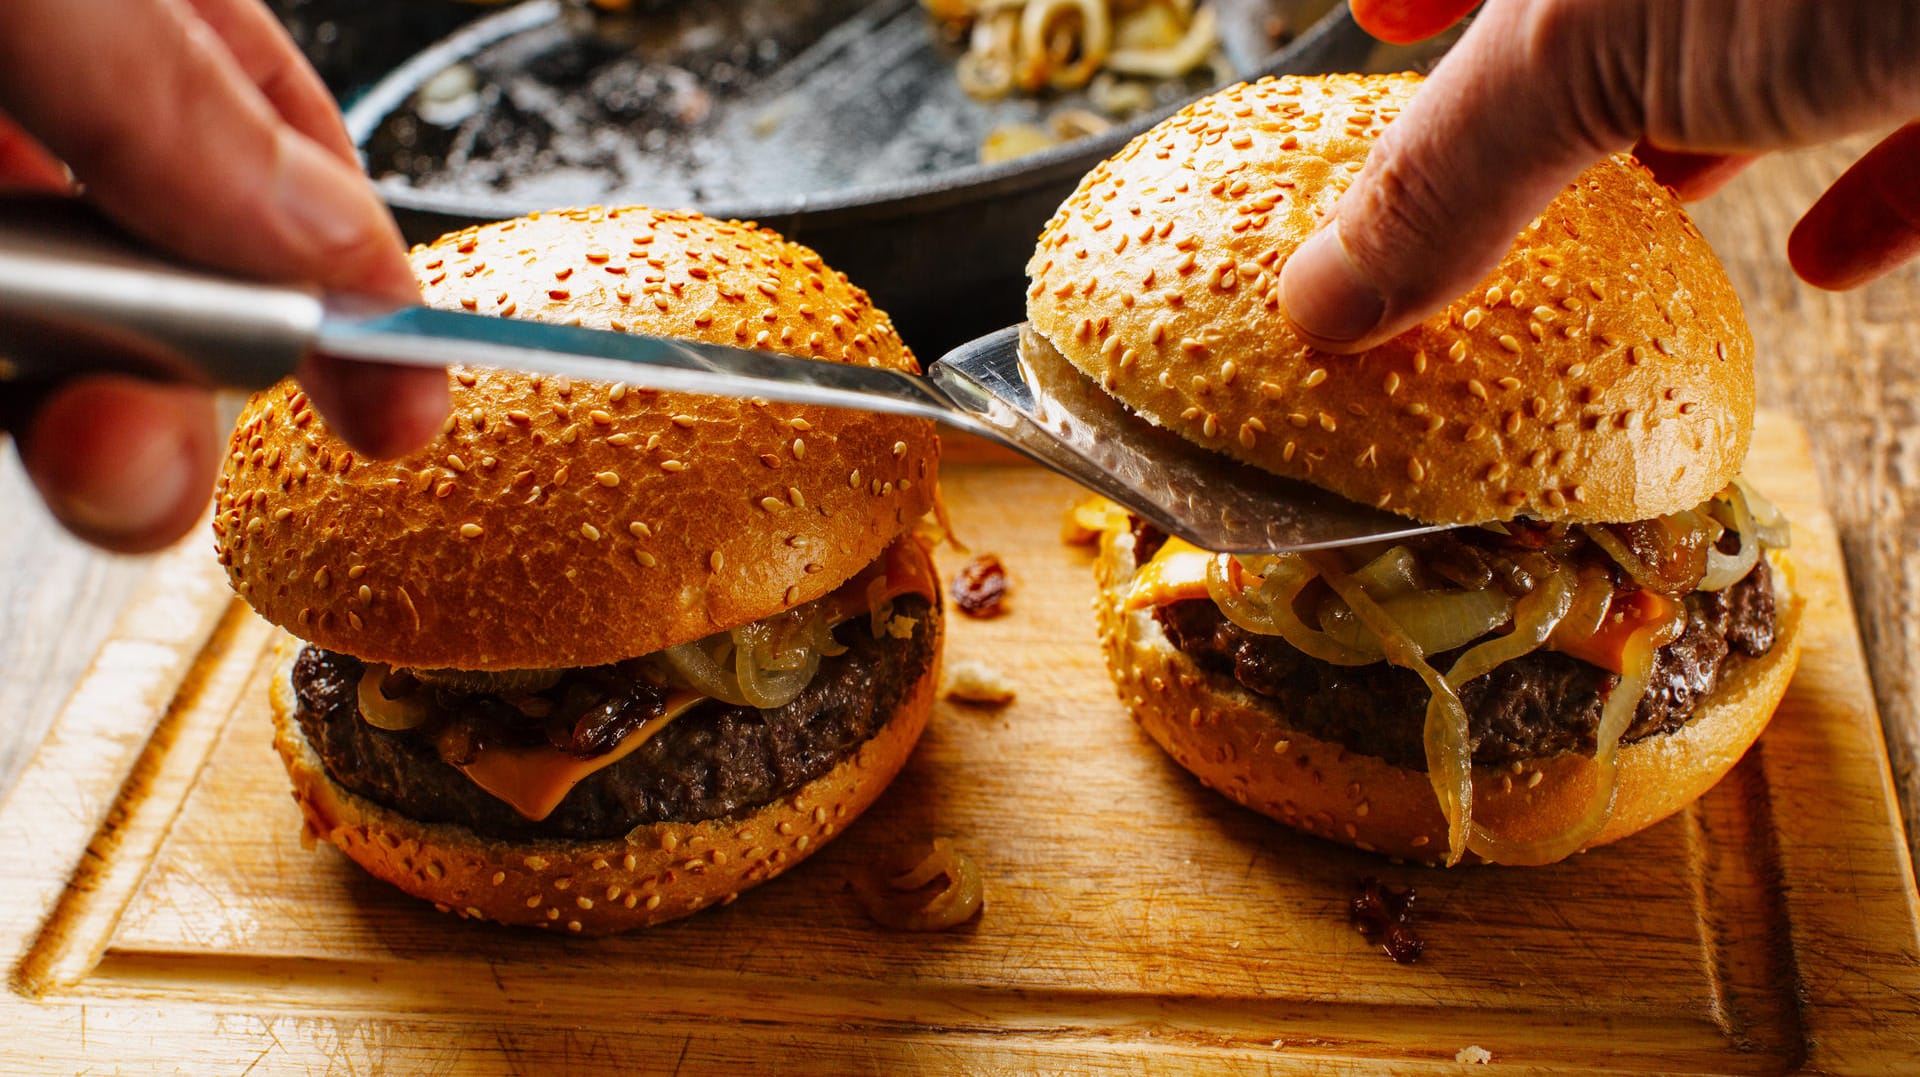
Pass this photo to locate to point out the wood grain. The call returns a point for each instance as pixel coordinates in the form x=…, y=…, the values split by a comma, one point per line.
x=157, y=908
x=1847, y=365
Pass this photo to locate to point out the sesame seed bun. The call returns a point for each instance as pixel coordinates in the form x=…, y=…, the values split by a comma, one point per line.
x=657, y=872
x=1238, y=743
x=1602, y=372
x=565, y=524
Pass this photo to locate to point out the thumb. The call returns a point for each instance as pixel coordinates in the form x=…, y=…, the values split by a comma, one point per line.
x=1506, y=121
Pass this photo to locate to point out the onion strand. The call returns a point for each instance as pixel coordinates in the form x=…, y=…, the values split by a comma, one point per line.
x=1447, y=734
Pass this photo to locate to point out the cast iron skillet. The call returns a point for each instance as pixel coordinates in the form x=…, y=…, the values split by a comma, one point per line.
x=866, y=152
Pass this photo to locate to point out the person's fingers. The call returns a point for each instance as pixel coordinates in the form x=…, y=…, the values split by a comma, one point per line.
x=1403, y=22
x=172, y=137
x=1692, y=176
x=265, y=51
x=125, y=464
x=1444, y=191
x=385, y=411
x=1866, y=223
x=25, y=165
x=153, y=113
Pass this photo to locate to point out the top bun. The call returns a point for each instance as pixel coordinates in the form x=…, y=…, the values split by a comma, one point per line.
x=557, y=523
x=1603, y=372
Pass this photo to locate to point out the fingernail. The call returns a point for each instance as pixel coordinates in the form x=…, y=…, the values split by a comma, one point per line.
x=142, y=492
x=1324, y=292
x=320, y=196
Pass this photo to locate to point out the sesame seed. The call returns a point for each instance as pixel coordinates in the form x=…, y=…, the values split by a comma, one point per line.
x=1471, y=320
x=590, y=532
x=1458, y=351
x=646, y=559
x=717, y=560
x=1509, y=343
x=471, y=531
x=1314, y=377
x=684, y=421
x=672, y=465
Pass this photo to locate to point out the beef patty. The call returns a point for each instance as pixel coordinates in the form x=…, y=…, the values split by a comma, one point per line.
x=1538, y=705
x=713, y=761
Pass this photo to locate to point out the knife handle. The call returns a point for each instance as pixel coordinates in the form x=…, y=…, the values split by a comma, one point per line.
x=80, y=296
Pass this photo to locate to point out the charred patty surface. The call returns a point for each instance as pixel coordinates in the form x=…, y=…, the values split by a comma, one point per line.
x=711, y=762
x=1538, y=705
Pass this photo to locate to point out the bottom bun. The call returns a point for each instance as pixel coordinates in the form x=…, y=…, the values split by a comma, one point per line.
x=1237, y=743
x=658, y=872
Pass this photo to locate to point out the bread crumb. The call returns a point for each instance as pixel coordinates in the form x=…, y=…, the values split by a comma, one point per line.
x=977, y=682
x=1473, y=1056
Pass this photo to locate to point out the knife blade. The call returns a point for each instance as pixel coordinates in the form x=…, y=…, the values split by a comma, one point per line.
x=77, y=296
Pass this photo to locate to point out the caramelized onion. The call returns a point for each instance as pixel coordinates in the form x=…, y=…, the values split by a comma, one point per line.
x=1448, y=747
x=1591, y=601
x=1437, y=620
x=898, y=896
x=764, y=664
x=406, y=710
x=705, y=666
x=1395, y=572
x=1726, y=569
x=1676, y=547
x=773, y=660
x=1534, y=619
x=1268, y=608
x=1769, y=523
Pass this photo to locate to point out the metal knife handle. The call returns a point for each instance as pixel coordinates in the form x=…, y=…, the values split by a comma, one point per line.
x=78, y=295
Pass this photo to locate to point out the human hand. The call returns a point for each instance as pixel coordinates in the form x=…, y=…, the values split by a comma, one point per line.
x=1537, y=90
x=198, y=125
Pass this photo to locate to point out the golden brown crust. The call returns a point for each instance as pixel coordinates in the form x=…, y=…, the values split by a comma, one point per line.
x=656, y=873
x=1602, y=372
x=1234, y=742
x=572, y=524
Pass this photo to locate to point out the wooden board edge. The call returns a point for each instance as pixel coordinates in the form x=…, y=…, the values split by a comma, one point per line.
x=66, y=793
x=1856, y=964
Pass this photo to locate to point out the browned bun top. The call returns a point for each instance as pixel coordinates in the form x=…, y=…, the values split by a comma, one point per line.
x=559, y=523
x=1602, y=372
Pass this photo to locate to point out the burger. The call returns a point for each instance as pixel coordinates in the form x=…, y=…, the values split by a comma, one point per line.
x=598, y=657
x=1610, y=622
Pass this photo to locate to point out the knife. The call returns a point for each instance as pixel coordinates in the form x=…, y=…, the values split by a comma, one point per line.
x=79, y=296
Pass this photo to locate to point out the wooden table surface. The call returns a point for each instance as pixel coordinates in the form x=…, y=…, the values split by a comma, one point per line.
x=1847, y=364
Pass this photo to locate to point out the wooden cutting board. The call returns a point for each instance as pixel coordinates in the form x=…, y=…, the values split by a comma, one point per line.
x=159, y=914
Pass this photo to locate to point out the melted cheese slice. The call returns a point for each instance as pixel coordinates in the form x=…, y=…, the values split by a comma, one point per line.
x=1178, y=572
x=534, y=780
